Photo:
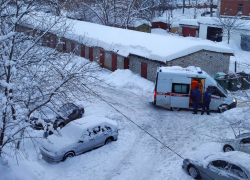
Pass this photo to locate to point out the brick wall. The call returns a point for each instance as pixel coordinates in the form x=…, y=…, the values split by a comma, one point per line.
x=230, y=7
x=135, y=66
x=211, y=62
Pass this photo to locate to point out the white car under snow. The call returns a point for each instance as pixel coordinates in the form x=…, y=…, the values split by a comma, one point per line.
x=79, y=136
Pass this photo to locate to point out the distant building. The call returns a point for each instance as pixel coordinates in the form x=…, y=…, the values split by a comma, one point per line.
x=159, y=23
x=188, y=27
x=234, y=7
x=144, y=28
x=142, y=25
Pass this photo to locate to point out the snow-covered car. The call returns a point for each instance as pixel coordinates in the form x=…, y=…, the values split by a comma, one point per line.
x=232, y=165
x=240, y=143
x=69, y=112
x=79, y=136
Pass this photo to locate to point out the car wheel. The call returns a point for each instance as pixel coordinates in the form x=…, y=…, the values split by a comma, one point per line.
x=193, y=172
x=68, y=155
x=175, y=109
x=223, y=108
x=61, y=125
x=80, y=116
x=82, y=111
x=109, y=140
x=228, y=148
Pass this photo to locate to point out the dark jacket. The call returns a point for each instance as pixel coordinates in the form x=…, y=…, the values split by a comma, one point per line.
x=207, y=96
x=196, y=95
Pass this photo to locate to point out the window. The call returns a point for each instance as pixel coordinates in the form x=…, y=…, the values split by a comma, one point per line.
x=240, y=8
x=96, y=129
x=180, y=88
x=245, y=141
x=64, y=45
x=237, y=171
x=220, y=164
x=215, y=91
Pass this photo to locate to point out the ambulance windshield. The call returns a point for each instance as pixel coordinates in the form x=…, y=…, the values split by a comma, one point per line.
x=221, y=88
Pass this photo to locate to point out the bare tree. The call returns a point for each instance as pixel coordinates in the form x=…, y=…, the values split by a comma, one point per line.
x=230, y=25
x=33, y=77
x=116, y=12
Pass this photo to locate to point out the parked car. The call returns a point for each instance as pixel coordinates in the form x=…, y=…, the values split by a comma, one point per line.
x=240, y=143
x=233, y=165
x=79, y=136
x=69, y=111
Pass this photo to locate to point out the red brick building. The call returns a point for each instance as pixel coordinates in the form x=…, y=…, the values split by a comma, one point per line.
x=234, y=7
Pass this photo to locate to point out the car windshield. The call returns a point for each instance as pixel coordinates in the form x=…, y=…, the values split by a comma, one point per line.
x=243, y=135
x=67, y=107
x=221, y=88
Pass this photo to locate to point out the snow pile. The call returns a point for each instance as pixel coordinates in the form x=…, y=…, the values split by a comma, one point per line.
x=125, y=79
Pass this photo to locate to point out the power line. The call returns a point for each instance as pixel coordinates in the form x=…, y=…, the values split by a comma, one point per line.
x=141, y=128
x=136, y=124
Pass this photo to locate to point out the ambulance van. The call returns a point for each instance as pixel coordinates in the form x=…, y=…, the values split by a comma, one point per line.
x=173, y=87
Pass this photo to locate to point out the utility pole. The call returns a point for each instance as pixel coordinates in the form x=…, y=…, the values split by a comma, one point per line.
x=211, y=8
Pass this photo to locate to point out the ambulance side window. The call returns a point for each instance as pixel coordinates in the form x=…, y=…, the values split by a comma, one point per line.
x=215, y=91
x=180, y=88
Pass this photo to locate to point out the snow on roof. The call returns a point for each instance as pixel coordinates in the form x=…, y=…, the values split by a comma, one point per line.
x=178, y=70
x=208, y=20
x=175, y=24
x=141, y=22
x=192, y=22
x=151, y=46
x=125, y=42
x=160, y=19
x=242, y=24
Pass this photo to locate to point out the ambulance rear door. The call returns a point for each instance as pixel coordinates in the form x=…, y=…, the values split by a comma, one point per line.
x=180, y=92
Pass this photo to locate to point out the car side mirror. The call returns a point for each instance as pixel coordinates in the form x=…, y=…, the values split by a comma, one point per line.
x=80, y=141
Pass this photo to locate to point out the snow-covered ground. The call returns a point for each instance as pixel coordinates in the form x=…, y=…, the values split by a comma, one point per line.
x=136, y=154
x=146, y=135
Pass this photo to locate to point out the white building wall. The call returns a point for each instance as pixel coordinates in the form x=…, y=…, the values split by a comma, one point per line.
x=203, y=31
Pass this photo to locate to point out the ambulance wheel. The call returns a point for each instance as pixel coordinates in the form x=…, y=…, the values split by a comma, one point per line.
x=175, y=109
x=223, y=108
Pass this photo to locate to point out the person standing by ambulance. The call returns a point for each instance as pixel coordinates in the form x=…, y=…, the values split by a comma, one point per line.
x=206, y=101
x=196, y=97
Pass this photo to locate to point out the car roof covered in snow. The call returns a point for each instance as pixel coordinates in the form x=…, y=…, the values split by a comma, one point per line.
x=86, y=122
x=73, y=131
x=234, y=157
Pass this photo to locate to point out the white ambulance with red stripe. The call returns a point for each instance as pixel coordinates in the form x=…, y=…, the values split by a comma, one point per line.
x=173, y=87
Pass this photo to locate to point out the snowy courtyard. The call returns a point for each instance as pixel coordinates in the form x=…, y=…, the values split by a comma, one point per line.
x=151, y=144
x=56, y=54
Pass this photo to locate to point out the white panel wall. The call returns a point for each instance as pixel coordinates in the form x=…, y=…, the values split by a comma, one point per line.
x=203, y=31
